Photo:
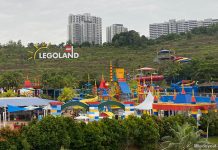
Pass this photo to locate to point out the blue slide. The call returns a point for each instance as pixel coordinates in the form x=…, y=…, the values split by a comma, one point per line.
x=124, y=87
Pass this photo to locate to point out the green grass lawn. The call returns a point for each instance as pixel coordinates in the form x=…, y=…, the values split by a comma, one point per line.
x=213, y=139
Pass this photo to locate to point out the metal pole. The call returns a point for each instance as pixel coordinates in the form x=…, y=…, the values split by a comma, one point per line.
x=5, y=117
x=0, y=120
x=8, y=116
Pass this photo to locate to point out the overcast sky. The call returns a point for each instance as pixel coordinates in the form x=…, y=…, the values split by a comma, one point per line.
x=46, y=20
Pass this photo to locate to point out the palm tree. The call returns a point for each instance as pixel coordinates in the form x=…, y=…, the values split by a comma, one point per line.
x=183, y=138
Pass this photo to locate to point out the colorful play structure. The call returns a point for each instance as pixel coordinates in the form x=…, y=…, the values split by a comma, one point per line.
x=146, y=79
x=115, y=98
x=184, y=102
x=30, y=88
x=165, y=54
x=188, y=85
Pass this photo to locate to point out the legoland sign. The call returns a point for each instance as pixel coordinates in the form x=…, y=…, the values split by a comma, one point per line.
x=68, y=53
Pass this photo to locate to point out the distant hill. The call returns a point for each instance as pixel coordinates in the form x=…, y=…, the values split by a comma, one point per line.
x=95, y=60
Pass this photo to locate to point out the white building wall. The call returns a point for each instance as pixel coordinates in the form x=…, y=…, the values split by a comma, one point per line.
x=84, y=28
x=172, y=26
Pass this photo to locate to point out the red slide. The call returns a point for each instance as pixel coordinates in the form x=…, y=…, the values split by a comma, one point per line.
x=148, y=78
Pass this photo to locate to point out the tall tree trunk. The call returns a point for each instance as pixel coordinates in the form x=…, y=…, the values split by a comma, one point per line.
x=207, y=130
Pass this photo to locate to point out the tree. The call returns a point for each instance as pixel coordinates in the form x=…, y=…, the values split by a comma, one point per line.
x=114, y=133
x=67, y=94
x=93, y=136
x=130, y=38
x=209, y=123
x=9, y=93
x=69, y=42
x=52, y=80
x=70, y=81
x=142, y=133
x=86, y=44
x=189, y=36
x=144, y=41
x=184, y=137
x=172, y=70
x=30, y=45
x=11, y=80
x=19, y=43
x=13, y=139
x=166, y=123
x=61, y=45
x=75, y=132
x=49, y=133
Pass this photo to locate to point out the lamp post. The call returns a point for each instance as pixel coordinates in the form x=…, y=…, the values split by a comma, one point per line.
x=212, y=83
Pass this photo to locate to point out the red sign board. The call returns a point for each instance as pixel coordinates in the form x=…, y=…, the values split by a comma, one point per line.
x=68, y=49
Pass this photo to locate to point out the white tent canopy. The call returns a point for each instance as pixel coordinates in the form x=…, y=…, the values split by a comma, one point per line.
x=31, y=107
x=81, y=118
x=48, y=107
x=147, y=103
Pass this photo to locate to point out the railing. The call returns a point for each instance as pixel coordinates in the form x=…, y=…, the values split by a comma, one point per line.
x=199, y=94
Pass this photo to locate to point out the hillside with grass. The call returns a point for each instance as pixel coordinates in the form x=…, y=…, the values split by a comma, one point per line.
x=95, y=59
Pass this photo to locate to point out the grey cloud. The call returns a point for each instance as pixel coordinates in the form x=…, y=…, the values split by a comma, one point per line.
x=46, y=20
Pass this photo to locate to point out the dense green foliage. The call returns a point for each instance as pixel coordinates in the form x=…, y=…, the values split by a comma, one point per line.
x=202, y=70
x=130, y=38
x=66, y=94
x=63, y=132
x=58, y=80
x=165, y=124
x=142, y=132
x=184, y=137
x=9, y=93
x=210, y=120
x=10, y=80
x=114, y=134
x=12, y=139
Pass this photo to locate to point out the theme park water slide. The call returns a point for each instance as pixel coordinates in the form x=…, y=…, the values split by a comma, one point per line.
x=108, y=113
x=124, y=87
x=86, y=101
x=89, y=100
x=148, y=78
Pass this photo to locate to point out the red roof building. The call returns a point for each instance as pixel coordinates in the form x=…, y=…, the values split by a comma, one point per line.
x=27, y=84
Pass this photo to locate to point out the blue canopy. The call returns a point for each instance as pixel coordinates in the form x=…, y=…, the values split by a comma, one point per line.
x=124, y=87
x=183, y=98
x=202, y=99
x=15, y=108
x=166, y=98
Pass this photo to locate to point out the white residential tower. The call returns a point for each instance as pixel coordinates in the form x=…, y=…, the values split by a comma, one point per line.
x=84, y=28
x=172, y=26
x=113, y=30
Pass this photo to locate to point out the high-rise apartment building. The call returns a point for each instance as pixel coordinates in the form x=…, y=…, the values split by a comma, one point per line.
x=172, y=26
x=158, y=29
x=84, y=28
x=113, y=30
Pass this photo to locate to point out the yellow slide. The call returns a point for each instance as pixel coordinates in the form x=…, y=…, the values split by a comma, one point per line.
x=85, y=101
x=89, y=100
x=110, y=114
